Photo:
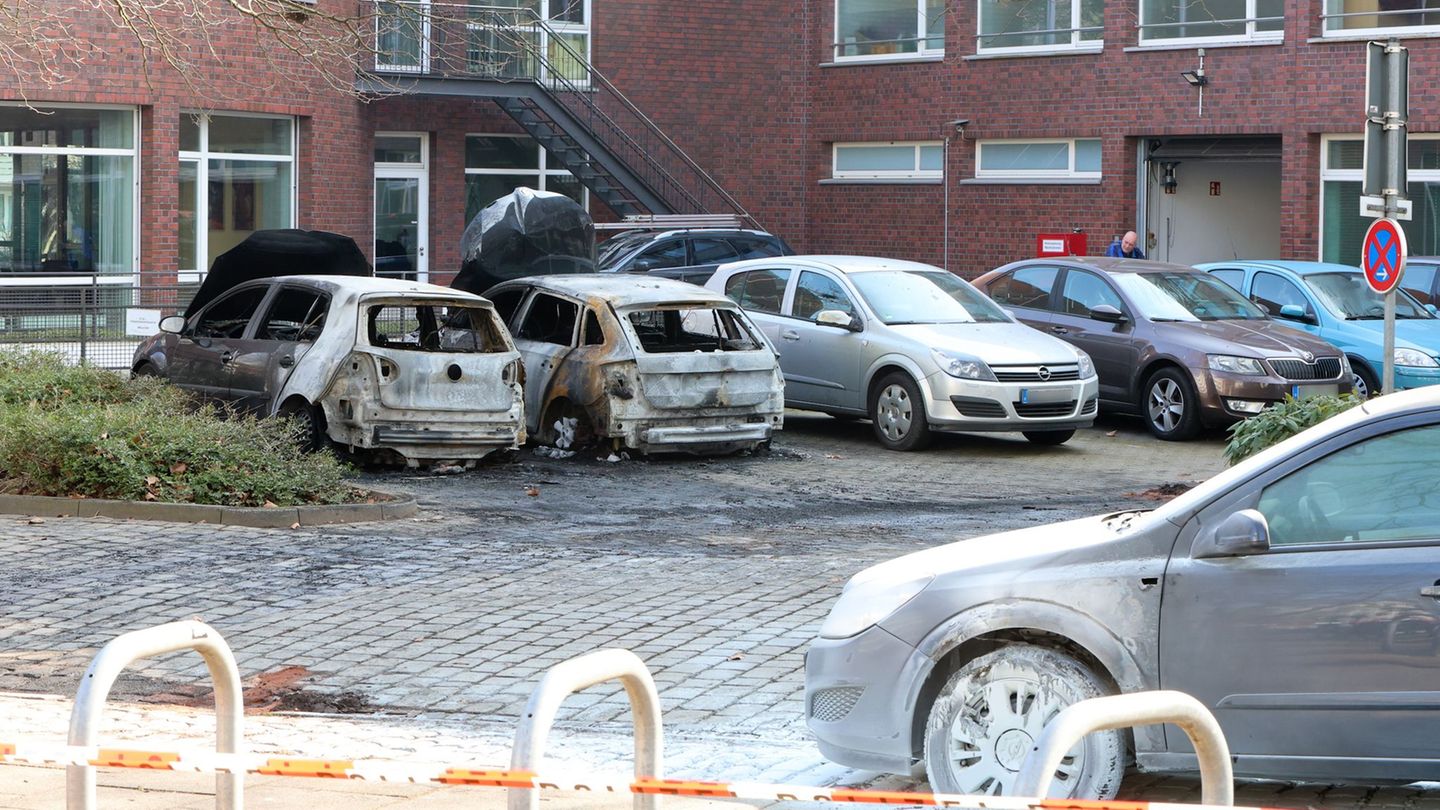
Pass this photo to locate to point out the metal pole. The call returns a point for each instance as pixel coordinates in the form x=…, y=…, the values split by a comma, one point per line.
x=571, y=676
x=1395, y=160
x=147, y=643
x=945, y=181
x=1217, y=781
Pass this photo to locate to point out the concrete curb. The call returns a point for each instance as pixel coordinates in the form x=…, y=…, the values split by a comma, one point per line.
x=392, y=508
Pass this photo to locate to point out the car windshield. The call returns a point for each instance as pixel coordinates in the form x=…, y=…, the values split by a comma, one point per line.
x=617, y=246
x=1182, y=296
x=925, y=296
x=1347, y=295
x=435, y=328
x=692, y=328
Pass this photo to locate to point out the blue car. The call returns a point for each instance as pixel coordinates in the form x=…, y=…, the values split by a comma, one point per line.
x=1333, y=302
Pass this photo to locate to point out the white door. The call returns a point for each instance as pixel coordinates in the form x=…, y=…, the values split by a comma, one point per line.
x=402, y=205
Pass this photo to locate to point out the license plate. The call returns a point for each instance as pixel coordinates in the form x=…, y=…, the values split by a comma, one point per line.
x=1032, y=395
x=1307, y=391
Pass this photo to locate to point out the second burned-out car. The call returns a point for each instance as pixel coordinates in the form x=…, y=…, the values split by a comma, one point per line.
x=654, y=365
x=390, y=368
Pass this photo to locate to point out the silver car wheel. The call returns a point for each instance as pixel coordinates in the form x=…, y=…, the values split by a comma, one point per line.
x=1362, y=388
x=1167, y=404
x=894, y=412
x=985, y=721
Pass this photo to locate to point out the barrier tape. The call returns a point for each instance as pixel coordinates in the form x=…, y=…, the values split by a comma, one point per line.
x=25, y=753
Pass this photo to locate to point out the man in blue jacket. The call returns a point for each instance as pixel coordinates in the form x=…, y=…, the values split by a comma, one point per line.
x=1126, y=247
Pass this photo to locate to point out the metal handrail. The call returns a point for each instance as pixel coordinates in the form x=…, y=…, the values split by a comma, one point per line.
x=1226, y=21
x=1217, y=779
x=1394, y=12
x=120, y=653
x=568, y=677
x=1029, y=32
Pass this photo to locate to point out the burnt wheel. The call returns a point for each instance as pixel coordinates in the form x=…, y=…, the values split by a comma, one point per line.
x=309, y=424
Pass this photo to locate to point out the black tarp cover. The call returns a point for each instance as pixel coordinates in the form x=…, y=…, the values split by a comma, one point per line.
x=525, y=233
x=281, y=252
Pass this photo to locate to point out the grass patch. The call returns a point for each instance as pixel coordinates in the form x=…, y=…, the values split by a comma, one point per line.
x=77, y=431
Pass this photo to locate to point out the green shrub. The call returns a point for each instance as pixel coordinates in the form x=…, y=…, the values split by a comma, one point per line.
x=1279, y=422
x=71, y=431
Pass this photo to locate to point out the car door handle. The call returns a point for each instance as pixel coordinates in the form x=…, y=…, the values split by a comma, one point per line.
x=1432, y=591
x=287, y=361
x=227, y=358
x=789, y=334
x=1059, y=330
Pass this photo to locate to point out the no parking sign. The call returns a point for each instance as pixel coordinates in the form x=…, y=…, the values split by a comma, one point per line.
x=1383, y=255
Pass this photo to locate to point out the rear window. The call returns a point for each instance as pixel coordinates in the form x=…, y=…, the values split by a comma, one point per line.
x=692, y=329
x=435, y=328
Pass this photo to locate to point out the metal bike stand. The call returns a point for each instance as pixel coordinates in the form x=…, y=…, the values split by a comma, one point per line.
x=1217, y=780
x=569, y=677
x=120, y=653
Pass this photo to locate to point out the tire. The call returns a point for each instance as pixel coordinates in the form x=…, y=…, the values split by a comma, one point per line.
x=145, y=370
x=1170, y=405
x=310, y=424
x=1366, y=384
x=974, y=747
x=1049, y=437
x=898, y=413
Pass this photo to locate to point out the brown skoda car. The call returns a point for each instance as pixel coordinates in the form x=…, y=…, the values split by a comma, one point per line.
x=1169, y=342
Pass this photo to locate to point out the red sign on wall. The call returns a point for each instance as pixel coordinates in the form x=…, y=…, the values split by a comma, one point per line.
x=1214, y=188
x=1060, y=244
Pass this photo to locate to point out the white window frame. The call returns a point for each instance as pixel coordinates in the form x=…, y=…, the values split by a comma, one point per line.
x=914, y=172
x=422, y=8
x=133, y=277
x=1358, y=176
x=1382, y=31
x=1075, y=44
x=922, y=40
x=1069, y=173
x=202, y=158
x=541, y=173
x=1250, y=35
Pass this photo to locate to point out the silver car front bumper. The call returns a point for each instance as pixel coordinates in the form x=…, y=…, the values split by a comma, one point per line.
x=957, y=404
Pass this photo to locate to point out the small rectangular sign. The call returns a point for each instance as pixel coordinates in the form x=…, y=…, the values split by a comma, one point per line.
x=1371, y=207
x=142, y=322
x=1052, y=245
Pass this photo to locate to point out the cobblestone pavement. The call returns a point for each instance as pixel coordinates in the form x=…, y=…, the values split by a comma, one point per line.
x=717, y=572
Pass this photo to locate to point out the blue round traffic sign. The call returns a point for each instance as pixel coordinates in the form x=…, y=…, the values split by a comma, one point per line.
x=1383, y=255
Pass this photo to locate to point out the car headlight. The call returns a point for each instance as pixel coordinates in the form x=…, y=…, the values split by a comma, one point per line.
x=1412, y=357
x=1235, y=365
x=1345, y=365
x=866, y=601
x=959, y=365
x=1087, y=366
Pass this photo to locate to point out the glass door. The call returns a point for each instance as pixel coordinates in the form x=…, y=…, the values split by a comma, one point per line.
x=402, y=216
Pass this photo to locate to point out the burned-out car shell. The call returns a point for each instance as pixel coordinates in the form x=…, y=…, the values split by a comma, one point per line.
x=715, y=389
x=336, y=367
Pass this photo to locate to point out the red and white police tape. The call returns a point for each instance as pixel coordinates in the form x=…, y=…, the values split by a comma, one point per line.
x=200, y=761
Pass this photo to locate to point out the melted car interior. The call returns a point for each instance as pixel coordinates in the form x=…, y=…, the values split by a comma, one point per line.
x=434, y=328
x=691, y=329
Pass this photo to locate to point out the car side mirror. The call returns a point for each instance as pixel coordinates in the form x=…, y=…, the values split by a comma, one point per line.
x=1108, y=314
x=172, y=325
x=1244, y=532
x=1431, y=309
x=835, y=317
x=644, y=264
x=1293, y=312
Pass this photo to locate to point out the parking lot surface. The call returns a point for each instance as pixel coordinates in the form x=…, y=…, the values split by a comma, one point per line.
x=716, y=572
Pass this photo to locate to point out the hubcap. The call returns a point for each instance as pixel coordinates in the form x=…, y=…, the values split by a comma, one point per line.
x=893, y=412
x=1167, y=404
x=996, y=728
x=1361, y=389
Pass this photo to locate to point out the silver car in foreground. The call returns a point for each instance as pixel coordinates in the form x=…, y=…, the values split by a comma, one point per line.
x=1294, y=594
x=911, y=347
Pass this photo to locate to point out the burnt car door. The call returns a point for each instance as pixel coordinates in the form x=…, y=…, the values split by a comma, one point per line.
x=1110, y=344
x=263, y=361
x=545, y=336
x=202, y=358
x=1322, y=640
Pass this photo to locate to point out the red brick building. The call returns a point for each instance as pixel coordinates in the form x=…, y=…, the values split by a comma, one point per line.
x=829, y=121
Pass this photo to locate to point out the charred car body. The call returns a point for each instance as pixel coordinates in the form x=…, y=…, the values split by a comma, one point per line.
x=654, y=365
x=395, y=368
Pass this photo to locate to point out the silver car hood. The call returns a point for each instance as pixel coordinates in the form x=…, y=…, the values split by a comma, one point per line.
x=998, y=344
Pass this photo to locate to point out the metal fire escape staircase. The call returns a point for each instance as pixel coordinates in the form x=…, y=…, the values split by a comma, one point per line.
x=532, y=71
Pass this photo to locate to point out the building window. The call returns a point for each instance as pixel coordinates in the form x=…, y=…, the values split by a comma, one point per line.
x=884, y=29
x=236, y=177
x=1077, y=159
x=502, y=39
x=402, y=35
x=1179, y=21
x=889, y=160
x=1019, y=26
x=67, y=190
x=496, y=165
x=1360, y=17
x=1342, y=228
